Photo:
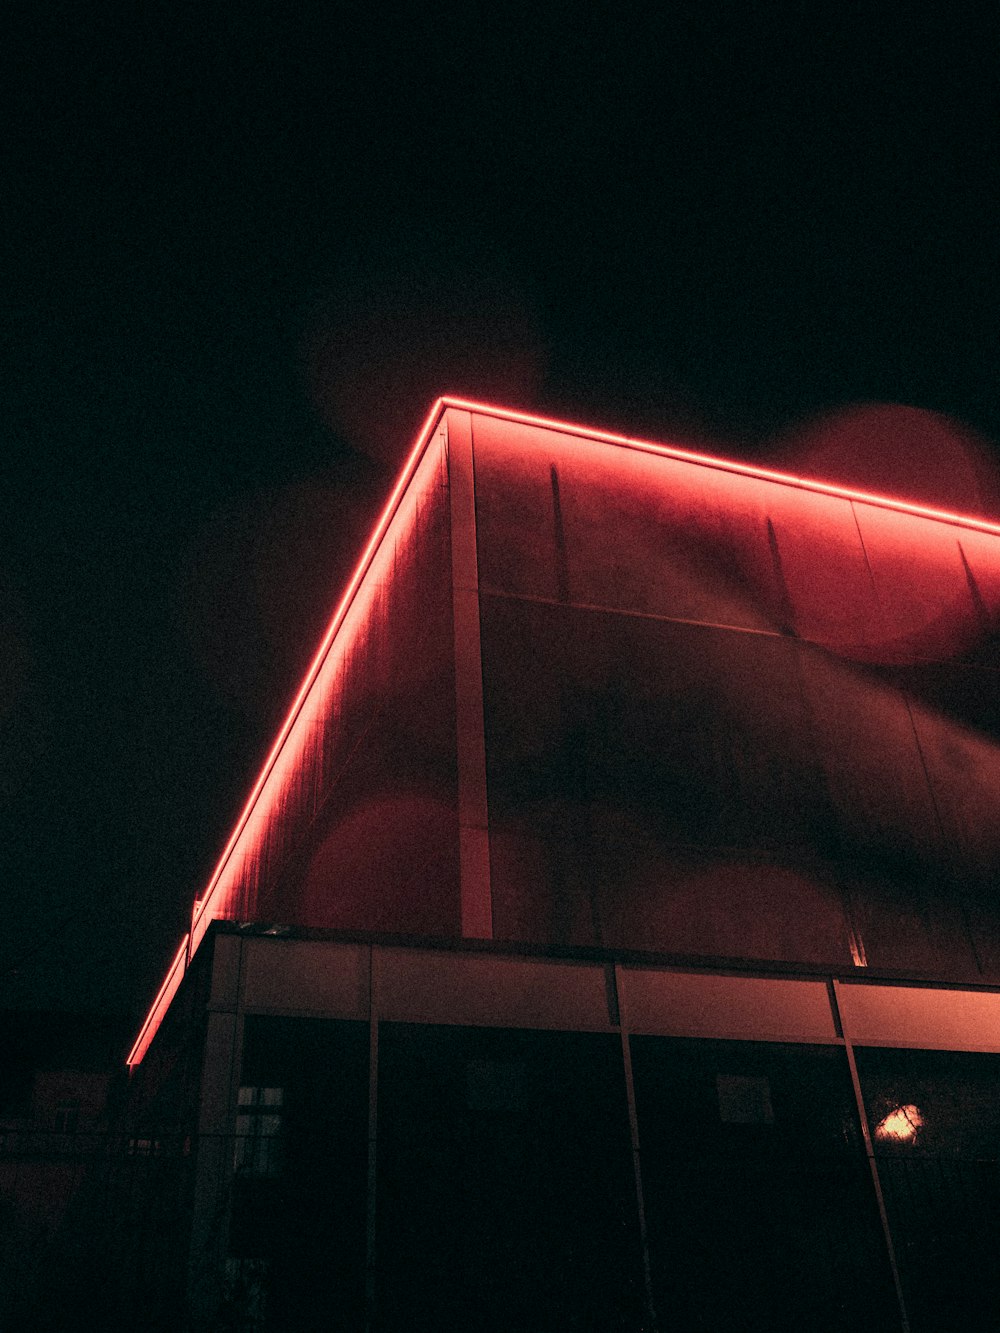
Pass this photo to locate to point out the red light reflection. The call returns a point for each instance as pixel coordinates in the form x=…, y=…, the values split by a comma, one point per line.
x=166, y=993
x=895, y=534
x=271, y=787
x=714, y=461
x=908, y=451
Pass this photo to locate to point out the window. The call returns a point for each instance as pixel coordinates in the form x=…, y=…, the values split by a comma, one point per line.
x=259, y=1115
x=145, y=1148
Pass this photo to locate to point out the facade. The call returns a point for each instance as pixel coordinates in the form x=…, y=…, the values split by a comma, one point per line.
x=610, y=939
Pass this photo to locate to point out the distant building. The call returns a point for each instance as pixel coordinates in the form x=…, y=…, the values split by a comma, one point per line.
x=610, y=939
x=58, y=1073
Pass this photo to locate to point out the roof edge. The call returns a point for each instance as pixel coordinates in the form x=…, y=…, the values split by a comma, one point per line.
x=719, y=463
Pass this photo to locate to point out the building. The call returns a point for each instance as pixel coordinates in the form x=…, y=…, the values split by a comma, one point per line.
x=610, y=939
x=59, y=1075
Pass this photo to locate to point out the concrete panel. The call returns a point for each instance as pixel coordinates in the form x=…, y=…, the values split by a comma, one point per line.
x=220, y=1059
x=225, y=972
x=685, y=1004
x=426, y=987
x=305, y=976
x=935, y=1020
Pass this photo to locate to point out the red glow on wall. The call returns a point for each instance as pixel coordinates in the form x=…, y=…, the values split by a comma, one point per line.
x=715, y=461
x=797, y=560
x=896, y=449
x=271, y=786
x=320, y=658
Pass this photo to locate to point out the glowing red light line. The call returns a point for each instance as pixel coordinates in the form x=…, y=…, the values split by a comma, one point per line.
x=165, y=992
x=524, y=418
x=723, y=464
x=169, y=986
x=320, y=656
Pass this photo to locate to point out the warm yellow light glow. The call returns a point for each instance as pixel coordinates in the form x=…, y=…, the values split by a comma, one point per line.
x=900, y=1125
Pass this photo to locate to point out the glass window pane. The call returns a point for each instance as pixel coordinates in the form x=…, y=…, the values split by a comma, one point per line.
x=759, y=1204
x=935, y=1123
x=506, y=1194
x=299, y=1202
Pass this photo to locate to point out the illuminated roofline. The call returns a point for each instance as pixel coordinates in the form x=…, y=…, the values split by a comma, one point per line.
x=437, y=410
x=431, y=422
x=343, y=607
x=167, y=991
x=722, y=464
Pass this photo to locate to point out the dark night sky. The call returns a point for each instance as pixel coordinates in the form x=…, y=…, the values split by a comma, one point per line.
x=245, y=245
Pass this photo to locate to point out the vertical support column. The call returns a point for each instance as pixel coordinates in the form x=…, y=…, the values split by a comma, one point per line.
x=621, y=1004
x=370, y=1252
x=869, y=1152
x=473, y=817
x=216, y=1126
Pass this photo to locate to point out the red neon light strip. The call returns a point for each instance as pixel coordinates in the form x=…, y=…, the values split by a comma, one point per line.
x=172, y=981
x=523, y=418
x=324, y=648
x=725, y=464
x=167, y=990
x=164, y=995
